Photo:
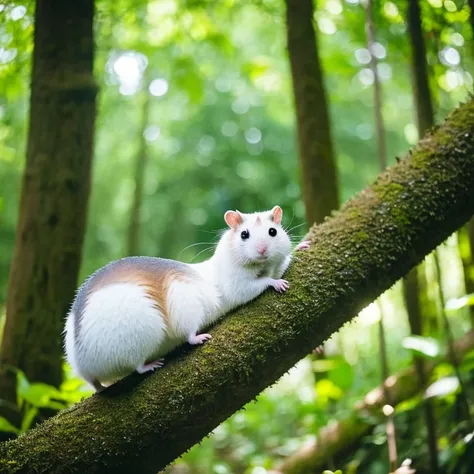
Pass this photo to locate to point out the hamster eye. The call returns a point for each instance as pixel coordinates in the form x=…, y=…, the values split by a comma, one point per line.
x=245, y=234
x=272, y=231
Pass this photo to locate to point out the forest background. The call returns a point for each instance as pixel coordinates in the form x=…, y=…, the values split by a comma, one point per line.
x=196, y=116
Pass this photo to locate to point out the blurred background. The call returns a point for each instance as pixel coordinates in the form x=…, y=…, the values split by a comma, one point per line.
x=196, y=115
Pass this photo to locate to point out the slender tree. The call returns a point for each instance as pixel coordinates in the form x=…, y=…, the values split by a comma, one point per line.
x=382, y=159
x=144, y=422
x=316, y=154
x=140, y=165
x=419, y=70
x=318, y=164
x=55, y=190
x=468, y=231
x=411, y=288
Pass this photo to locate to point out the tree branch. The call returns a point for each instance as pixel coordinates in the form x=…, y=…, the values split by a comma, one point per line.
x=143, y=423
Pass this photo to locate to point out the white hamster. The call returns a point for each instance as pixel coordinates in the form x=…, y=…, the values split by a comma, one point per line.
x=133, y=311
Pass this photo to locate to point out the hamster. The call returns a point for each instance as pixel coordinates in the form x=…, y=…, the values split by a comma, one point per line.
x=131, y=312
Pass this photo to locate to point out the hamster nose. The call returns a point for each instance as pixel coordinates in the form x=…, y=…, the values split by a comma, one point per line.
x=261, y=249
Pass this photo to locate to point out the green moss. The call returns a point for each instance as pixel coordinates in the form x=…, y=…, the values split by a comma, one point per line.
x=400, y=216
x=388, y=192
x=361, y=235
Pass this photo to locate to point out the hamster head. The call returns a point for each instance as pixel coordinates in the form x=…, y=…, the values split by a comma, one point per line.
x=258, y=238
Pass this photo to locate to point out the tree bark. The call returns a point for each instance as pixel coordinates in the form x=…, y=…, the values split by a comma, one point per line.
x=55, y=190
x=336, y=439
x=144, y=422
x=318, y=164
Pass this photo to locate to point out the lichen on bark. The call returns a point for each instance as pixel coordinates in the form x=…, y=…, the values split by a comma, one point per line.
x=144, y=422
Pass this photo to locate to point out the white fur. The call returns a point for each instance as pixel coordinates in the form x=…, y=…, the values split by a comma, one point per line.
x=120, y=330
x=191, y=306
x=237, y=269
x=69, y=342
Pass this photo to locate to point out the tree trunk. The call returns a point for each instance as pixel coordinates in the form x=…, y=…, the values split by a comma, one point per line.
x=379, y=122
x=55, y=190
x=144, y=422
x=318, y=164
x=316, y=155
x=411, y=288
x=133, y=241
x=468, y=264
x=419, y=69
x=382, y=159
x=337, y=439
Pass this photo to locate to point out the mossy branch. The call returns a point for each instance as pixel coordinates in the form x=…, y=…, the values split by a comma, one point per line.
x=144, y=422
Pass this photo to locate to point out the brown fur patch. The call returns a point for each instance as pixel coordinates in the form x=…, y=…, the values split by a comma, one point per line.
x=155, y=280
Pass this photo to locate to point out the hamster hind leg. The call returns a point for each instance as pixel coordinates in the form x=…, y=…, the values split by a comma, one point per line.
x=150, y=366
x=187, y=311
x=96, y=385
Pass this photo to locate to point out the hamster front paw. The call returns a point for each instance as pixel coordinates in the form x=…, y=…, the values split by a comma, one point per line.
x=199, y=338
x=305, y=244
x=280, y=285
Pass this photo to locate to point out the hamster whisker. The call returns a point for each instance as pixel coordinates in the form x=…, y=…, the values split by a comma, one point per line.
x=193, y=245
x=289, y=223
x=295, y=227
x=297, y=238
x=202, y=251
x=215, y=233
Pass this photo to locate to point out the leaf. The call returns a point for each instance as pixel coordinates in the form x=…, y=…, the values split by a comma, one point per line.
x=186, y=76
x=467, y=363
x=425, y=346
x=28, y=419
x=328, y=389
x=6, y=426
x=342, y=375
x=442, y=387
x=458, y=303
x=54, y=405
x=40, y=394
x=71, y=385
x=410, y=404
x=324, y=365
x=22, y=386
x=257, y=67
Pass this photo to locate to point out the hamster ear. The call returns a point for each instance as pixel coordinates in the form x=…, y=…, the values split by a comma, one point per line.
x=233, y=219
x=277, y=214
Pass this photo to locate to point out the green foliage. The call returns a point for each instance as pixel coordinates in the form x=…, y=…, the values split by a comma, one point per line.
x=222, y=136
x=35, y=396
